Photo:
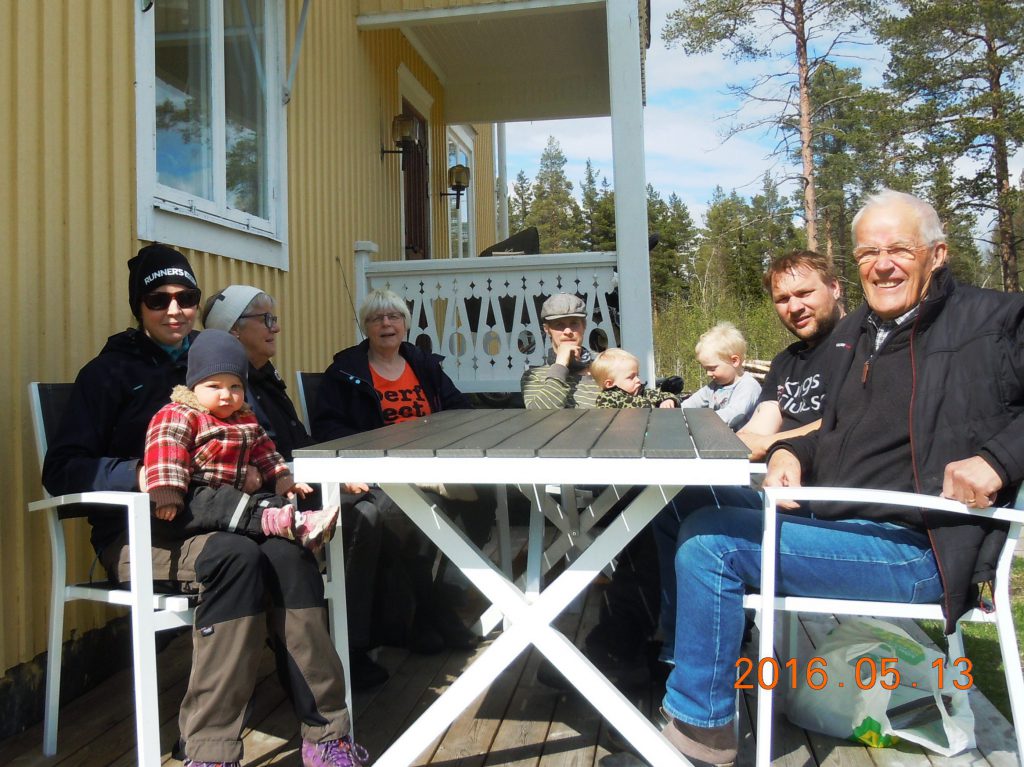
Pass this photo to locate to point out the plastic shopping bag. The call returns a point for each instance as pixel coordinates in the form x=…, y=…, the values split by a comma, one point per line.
x=874, y=684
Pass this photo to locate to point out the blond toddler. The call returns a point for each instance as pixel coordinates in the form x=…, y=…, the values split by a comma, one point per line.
x=617, y=374
x=732, y=393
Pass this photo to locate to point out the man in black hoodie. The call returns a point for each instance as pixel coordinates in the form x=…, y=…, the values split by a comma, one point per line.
x=927, y=397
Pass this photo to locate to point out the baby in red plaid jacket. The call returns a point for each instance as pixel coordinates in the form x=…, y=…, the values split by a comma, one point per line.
x=199, y=445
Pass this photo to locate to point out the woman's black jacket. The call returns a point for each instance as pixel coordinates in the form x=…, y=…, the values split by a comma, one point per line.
x=346, y=402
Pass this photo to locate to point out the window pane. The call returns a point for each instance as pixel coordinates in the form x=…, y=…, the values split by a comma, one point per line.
x=184, y=136
x=245, y=99
x=458, y=218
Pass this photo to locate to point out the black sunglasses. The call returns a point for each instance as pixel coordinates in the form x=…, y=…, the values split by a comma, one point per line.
x=268, y=319
x=159, y=302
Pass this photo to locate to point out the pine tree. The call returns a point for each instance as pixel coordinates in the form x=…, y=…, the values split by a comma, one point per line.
x=772, y=232
x=965, y=260
x=723, y=246
x=519, y=203
x=588, y=205
x=672, y=224
x=748, y=29
x=554, y=210
x=604, y=218
x=860, y=146
x=958, y=66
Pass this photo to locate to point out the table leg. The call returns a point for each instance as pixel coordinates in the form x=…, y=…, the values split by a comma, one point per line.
x=591, y=683
x=535, y=540
x=562, y=544
x=480, y=571
x=577, y=539
x=614, y=707
x=605, y=547
x=504, y=531
x=532, y=623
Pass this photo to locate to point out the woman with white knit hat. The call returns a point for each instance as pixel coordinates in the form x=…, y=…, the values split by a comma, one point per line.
x=250, y=315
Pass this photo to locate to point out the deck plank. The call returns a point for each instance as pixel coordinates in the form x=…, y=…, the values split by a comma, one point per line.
x=468, y=738
x=576, y=728
x=106, y=709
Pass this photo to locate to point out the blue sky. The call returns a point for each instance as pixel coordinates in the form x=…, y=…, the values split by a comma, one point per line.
x=684, y=124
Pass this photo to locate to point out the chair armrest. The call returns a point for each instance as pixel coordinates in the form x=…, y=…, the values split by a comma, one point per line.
x=889, y=497
x=136, y=508
x=112, y=498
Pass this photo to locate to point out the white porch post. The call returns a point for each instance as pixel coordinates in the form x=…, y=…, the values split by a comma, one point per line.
x=365, y=250
x=502, y=191
x=630, y=182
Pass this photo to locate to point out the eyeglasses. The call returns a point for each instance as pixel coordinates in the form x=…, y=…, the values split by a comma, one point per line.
x=899, y=252
x=268, y=319
x=392, y=317
x=158, y=302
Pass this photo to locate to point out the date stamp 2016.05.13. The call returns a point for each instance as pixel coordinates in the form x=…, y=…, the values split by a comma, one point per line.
x=869, y=671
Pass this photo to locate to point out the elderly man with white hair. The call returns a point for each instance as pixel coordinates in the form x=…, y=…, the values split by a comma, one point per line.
x=927, y=397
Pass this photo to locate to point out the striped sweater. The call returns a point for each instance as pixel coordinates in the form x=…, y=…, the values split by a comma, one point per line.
x=553, y=387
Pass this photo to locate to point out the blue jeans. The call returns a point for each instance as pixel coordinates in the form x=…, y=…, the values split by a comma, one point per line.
x=666, y=536
x=719, y=556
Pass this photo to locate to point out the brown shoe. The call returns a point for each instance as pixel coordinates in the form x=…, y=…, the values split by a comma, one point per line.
x=715, y=745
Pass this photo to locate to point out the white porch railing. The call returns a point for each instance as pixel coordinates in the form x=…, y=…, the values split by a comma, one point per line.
x=482, y=314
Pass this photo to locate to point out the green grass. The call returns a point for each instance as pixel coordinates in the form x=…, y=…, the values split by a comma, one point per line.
x=982, y=645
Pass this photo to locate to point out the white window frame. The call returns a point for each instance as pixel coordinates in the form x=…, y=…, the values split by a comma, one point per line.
x=464, y=137
x=410, y=89
x=170, y=215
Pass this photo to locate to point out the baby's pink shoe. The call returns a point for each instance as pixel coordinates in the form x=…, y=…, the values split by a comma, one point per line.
x=314, y=528
x=279, y=521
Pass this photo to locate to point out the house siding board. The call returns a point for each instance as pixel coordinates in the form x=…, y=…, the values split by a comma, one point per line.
x=68, y=227
x=58, y=221
x=483, y=187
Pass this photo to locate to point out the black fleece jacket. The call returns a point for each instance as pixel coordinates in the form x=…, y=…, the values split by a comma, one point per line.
x=966, y=382
x=347, y=403
x=267, y=395
x=101, y=438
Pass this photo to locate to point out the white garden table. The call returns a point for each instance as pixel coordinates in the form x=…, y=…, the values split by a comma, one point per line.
x=662, y=450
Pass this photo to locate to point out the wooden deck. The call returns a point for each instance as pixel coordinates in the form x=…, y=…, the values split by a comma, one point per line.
x=518, y=721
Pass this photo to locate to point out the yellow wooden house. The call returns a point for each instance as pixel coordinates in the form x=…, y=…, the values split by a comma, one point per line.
x=270, y=140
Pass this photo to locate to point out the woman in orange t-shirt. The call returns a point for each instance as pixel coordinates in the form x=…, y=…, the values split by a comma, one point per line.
x=384, y=380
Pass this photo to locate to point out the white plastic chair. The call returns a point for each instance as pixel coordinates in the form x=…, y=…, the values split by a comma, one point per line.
x=306, y=387
x=150, y=612
x=766, y=603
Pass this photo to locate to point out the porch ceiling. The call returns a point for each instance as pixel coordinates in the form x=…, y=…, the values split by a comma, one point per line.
x=513, y=61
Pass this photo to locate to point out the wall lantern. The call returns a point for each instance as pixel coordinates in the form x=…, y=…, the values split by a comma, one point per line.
x=458, y=180
x=405, y=132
